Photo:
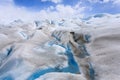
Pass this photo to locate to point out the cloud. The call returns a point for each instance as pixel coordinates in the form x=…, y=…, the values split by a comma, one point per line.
x=10, y=12
x=99, y=1
x=93, y=1
x=116, y=2
x=64, y=11
x=105, y=1
x=113, y=1
x=54, y=1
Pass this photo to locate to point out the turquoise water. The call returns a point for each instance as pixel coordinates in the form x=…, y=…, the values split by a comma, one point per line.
x=72, y=67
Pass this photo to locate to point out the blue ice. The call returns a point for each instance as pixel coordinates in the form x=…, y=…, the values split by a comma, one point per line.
x=91, y=72
x=72, y=67
x=8, y=77
x=25, y=36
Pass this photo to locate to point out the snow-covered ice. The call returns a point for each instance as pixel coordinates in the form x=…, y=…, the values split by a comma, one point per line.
x=66, y=49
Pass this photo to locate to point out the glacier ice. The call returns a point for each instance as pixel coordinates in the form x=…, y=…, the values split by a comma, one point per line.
x=53, y=49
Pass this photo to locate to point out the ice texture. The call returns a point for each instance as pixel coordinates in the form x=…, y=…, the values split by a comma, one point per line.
x=64, y=49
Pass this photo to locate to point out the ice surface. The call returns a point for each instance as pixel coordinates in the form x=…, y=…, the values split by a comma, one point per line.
x=66, y=49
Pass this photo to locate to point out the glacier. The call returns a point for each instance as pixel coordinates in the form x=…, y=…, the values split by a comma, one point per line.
x=64, y=49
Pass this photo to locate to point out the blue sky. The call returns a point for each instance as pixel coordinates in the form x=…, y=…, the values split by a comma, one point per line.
x=95, y=6
x=56, y=8
x=37, y=5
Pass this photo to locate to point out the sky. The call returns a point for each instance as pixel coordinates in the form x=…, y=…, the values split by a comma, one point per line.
x=53, y=9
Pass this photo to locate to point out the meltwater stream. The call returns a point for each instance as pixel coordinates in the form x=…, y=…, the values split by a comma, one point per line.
x=72, y=66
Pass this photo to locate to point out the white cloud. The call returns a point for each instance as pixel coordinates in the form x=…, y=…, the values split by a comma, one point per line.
x=10, y=12
x=105, y=1
x=6, y=2
x=99, y=1
x=93, y=1
x=116, y=2
x=62, y=11
x=54, y=1
x=113, y=1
